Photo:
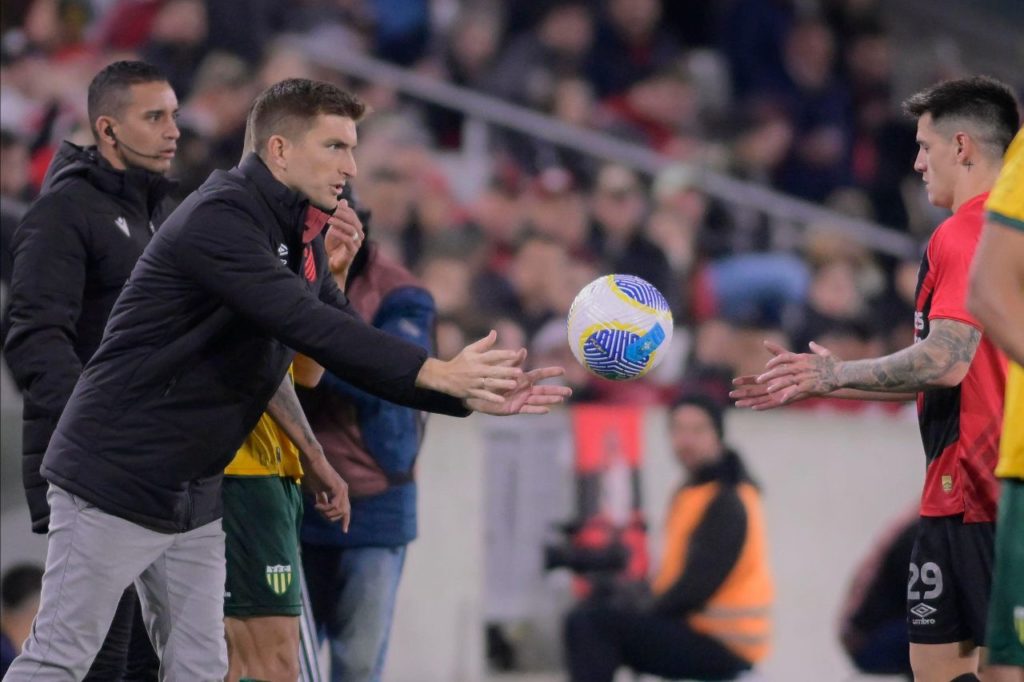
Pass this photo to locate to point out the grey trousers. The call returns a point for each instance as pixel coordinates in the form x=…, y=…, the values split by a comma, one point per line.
x=91, y=558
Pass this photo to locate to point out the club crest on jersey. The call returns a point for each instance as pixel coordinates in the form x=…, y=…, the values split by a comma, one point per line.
x=122, y=225
x=282, y=253
x=279, y=577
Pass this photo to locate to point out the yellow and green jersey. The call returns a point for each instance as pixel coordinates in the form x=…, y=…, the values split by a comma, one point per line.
x=1005, y=206
x=267, y=452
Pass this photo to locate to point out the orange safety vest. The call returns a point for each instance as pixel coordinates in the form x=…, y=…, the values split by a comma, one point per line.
x=738, y=614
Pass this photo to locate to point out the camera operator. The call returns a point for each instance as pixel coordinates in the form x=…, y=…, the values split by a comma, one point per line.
x=710, y=616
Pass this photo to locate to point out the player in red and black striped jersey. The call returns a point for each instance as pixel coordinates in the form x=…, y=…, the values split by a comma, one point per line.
x=956, y=375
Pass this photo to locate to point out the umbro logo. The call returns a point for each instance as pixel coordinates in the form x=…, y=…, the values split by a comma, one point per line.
x=122, y=225
x=923, y=610
x=282, y=253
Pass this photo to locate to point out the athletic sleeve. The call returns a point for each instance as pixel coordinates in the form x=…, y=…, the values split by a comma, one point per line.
x=234, y=262
x=712, y=553
x=950, y=254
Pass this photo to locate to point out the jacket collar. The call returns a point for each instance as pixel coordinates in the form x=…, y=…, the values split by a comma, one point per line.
x=135, y=185
x=289, y=206
x=729, y=470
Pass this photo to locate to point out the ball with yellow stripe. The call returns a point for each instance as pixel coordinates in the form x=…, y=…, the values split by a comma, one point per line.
x=619, y=327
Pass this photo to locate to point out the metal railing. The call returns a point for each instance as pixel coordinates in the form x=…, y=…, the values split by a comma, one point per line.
x=326, y=52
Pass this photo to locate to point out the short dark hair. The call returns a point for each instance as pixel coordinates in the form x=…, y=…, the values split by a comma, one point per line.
x=108, y=91
x=981, y=100
x=712, y=408
x=20, y=583
x=289, y=106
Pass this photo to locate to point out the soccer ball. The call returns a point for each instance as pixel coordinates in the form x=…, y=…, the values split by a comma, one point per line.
x=619, y=327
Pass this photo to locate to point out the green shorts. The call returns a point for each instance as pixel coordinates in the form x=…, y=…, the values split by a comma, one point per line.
x=1006, y=609
x=262, y=515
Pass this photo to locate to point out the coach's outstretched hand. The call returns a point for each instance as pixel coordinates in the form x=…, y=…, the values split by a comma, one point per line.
x=528, y=397
x=479, y=372
x=788, y=378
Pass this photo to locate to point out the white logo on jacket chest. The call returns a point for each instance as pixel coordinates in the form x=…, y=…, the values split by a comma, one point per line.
x=122, y=225
x=282, y=253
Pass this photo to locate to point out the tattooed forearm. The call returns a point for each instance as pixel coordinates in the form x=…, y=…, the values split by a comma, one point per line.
x=285, y=409
x=939, y=360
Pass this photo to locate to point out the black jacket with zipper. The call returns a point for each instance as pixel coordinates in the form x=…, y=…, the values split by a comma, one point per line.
x=73, y=251
x=200, y=340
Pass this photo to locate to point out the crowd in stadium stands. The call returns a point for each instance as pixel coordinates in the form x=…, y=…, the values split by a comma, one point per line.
x=797, y=95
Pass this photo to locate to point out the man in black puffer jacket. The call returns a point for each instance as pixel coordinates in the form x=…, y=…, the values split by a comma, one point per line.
x=73, y=251
x=197, y=344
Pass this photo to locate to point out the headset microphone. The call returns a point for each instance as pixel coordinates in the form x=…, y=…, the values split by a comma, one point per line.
x=110, y=131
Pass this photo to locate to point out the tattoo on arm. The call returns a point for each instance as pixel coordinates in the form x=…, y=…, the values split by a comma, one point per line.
x=285, y=409
x=949, y=346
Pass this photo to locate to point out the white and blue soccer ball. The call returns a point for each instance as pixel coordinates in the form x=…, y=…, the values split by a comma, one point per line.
x=619, y=327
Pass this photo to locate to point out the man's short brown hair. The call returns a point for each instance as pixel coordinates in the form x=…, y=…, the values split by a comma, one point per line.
x=288, y=108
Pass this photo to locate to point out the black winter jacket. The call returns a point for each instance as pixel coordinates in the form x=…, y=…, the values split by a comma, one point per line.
x=197, y=344
x=74, y=250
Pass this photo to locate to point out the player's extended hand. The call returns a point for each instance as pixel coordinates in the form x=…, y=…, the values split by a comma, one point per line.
x=330, y=492
x=528, y=397
x=343, y=239
x=749, y=393
x=478, y=372
x=796, y=376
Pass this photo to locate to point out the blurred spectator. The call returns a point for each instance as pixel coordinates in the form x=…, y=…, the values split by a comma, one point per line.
x=752, y=35
x=245, y=27
x=538, y=264
x=659, y=111
x=619, y=209
x=499, y=215
x=556, y=209
x=177, y=42
x=710, y=616
x=762, y=143
x=834, y=301
x=465, y=58
x=401, y=28
x=712, y=362
x=873, y=621
x=819, y=107
x=57, y=28
x=883, y=140
x=19, y=595
x=14, y=193
x=282, y=61
x=895, y=307
x=631, y=45
x=558, y=46
x=127, y=24
x=447, y=278
x=212, y=120
x=694, y=23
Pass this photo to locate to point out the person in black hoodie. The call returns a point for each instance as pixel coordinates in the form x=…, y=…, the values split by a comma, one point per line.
x=73, y=251
x=198, y=342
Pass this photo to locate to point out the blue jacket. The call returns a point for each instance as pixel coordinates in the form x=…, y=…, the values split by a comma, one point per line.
x=373, y=443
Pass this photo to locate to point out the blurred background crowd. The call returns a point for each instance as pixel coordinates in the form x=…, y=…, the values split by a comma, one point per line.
x=798, y=95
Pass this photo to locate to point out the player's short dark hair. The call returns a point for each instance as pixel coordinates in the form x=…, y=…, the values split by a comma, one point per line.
x=19, y=584
x=108, y=91
x=288, y=108
x=985, y=102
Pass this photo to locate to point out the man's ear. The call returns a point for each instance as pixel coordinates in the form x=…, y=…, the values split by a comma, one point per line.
x=277, y=152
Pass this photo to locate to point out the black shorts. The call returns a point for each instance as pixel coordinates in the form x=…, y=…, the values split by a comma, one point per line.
x=950, y=580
